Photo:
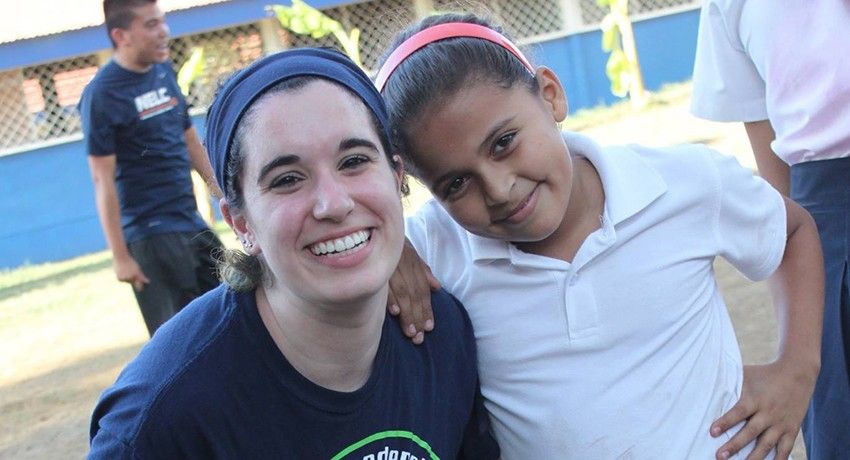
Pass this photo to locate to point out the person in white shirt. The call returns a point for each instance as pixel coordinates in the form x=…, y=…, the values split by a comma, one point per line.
x=587, y=272
x=782, y=69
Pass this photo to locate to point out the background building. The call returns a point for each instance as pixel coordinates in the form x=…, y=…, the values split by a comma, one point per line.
x=49, y=50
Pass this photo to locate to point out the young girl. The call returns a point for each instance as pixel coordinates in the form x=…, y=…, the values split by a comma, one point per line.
x=293, y=358
x=587, y=272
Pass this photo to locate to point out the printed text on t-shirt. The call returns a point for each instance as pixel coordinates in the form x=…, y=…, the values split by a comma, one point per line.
x=155, y=102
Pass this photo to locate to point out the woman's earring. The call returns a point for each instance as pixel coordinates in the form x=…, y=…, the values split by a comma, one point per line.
x=247, y=245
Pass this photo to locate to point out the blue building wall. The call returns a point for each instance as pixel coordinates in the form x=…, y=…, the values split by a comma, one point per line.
x=47, y=202
x=47, y=199
x=666, y=47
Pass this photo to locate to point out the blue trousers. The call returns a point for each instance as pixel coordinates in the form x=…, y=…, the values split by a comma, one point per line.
x=823, y=188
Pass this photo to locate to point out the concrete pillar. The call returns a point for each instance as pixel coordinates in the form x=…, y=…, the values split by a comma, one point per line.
x=103, y=56
x=571, y=15
x=422, y=8
x=270, y=32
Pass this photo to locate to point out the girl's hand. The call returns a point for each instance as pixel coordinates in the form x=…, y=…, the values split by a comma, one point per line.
x=773, y=402
x=410, y=294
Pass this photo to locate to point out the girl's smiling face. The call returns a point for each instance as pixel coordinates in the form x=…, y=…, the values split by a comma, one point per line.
x=322, y=204
x=495, y=159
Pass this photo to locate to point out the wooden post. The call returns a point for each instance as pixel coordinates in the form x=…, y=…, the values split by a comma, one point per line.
x=422, y=8
x=270, y=36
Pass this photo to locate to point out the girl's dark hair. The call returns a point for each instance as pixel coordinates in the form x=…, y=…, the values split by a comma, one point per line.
x=241, y=271
x=440, y=69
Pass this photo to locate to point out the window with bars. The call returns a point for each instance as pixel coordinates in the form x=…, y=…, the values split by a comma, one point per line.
x=39, y=103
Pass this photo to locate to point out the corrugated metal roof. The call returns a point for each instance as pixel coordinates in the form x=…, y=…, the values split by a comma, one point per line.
x=23, y=19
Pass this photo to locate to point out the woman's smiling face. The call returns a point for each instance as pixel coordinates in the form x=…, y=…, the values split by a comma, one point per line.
x=322, y=204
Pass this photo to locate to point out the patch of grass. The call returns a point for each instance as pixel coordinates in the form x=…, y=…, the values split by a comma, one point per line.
x=76, y=306
x=29, y=277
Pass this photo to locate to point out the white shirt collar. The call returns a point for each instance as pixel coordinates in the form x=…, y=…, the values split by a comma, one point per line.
x=630, y=185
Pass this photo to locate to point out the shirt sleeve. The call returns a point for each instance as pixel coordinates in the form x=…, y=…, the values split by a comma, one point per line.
x=726, y=84
x=750, y=219
x=104, y=445
x=98, y=129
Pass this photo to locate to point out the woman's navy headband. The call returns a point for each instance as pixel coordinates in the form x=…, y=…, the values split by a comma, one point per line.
x=238, y=93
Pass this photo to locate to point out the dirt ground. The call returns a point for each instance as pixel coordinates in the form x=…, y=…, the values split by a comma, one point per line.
x=50, y=387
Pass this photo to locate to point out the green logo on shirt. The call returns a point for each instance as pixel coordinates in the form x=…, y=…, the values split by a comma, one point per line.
x=386, y=453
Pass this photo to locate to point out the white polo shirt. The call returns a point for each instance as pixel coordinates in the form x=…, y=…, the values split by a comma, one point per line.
x=786, y=61
x=628, y=350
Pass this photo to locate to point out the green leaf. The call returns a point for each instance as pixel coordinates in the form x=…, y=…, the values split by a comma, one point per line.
x=303, y=19
x=351, y=46
x=618, y=71
x=191, y=69
x=610, y=34
x=284, y=15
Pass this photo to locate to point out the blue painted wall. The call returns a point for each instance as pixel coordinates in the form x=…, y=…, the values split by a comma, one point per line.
x=47, y=199
x=666, y=47
x=48, y=207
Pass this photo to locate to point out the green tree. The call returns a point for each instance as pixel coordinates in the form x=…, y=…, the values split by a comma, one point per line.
x=618, y=40
x=303, y=19
x=191, y=69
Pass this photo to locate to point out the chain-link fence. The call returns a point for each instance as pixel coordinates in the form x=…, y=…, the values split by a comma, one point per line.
x=592, y=13
x=522, y=19
x=225, y=51
x=38, y=103
x=376, y=19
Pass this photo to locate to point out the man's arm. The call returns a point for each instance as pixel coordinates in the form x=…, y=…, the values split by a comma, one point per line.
x=200, y=161
x=770, y=166
x=108, y=211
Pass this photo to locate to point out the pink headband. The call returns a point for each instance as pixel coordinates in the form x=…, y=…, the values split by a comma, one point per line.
x=442, y=32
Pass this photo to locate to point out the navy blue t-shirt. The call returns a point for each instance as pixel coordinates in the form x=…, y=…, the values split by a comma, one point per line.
x=211, y=383
x=141, y=118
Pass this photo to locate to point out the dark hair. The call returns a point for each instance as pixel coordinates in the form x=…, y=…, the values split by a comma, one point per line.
x=118, y=14
x=243, y=272
x=440, y=69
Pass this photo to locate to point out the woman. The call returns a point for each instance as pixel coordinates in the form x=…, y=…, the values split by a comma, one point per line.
x=293, y=357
